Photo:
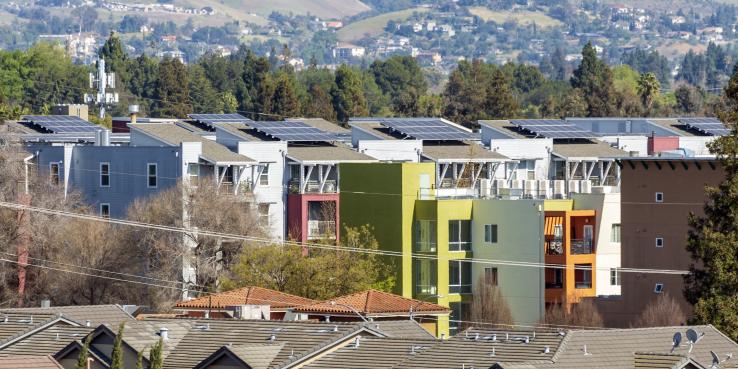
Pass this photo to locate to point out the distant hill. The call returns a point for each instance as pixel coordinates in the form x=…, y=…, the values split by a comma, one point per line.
x=374, y=25
x=322, y=8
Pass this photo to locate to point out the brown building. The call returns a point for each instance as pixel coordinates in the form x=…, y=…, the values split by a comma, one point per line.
x=657, y=196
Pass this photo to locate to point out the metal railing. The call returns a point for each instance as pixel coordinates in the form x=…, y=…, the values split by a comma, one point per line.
x=331, y=186
x=318, y=229
x=583, y=284
x=580, y=247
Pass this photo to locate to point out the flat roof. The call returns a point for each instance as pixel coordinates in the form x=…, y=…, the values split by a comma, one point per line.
x=176, y=135
x=375, y=129
x=460, y=152
x=239, y=130
x=587, y=149
x=326, y=154
x=673, y=124
x=504, y=127
x=321, y=124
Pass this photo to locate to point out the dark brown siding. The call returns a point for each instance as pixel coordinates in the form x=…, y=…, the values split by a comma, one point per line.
x=643, y=220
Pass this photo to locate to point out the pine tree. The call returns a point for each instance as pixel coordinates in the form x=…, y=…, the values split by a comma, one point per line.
x=285, y=101
x=139, y=360
x=348, y=95
x=172, y=90
x=116, y=359
x=712, y=283
x=116, y=59
x=204, y=97
x=595, y=80
x=84, y=354
x=156, y=359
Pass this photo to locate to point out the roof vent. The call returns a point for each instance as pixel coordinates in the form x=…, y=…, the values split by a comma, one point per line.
x=164, y=333
x=357, y=341
x=57, y=336
x=45, y=303
x=493, y=353
x=476, y=336
x=272, y=337
x=676, y=341
x=546, y=350
x=88, y=323
x=586, y=353
x=5, y=320
x=526, y=340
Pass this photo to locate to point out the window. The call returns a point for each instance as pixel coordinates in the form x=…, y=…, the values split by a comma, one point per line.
x=193, y=171
x=659, y=242
x=582, y=275
x=659, y=197
x=151, y=173
x=530, y=165
x=226, y=173
x=490, y=276
x=614, y=277
x=554, y=278
x=658, y=288
x=460, y=311
x=459, y=235
x=459, y=276
x=615, y=234
x=425, y=236
x=490, y=233
x=104, y=174
x=105, y=210
x=264, y=214
x=424, y=272
x=54, y=173
x=264, y=175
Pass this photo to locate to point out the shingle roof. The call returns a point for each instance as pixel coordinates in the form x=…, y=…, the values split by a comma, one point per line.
x=373, y=302
x=460, y=152
x=649, y=360
x=588, y=149
x=175, y=135
x=239, y=130
x=13, y=324
x=29, y=362
x=246, y=296
x=256, y=356
x=300, y=339
x=615, y=348
x=326, y=153
x=373, y=353
x=46, y=341
x=96, y=314
x=403, y=328
x=142, y=335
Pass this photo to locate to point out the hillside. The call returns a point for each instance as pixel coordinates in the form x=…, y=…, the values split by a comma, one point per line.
x=374, y=25
x=522, y=17
x=239, y=9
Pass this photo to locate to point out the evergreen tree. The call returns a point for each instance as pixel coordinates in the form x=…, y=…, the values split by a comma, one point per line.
x=139, y=360
x=156, y=359
x=116, y=357
x=143, y=79
x=84, y=354
x=712, y=284
x=172, y=92
x=116, y=59
x=230, y=104
x=400, y=78
x=348, y=95
x=595, y=80
x=501, y=103
x=204, y=97
x=285, y=101
x=319, y=104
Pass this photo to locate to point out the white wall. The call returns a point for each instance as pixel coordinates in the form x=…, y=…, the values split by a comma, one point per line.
x=629, y=143
x=526, y=149
x=698, y=144
x=608, y=254
x=392, y=150
x=271, y=153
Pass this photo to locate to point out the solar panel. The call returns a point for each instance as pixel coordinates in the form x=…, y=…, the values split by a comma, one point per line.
x=211, y=119
x=553, y=128
x=710, y=126
x=62, y=123
x=426, y=129
x=295, y=131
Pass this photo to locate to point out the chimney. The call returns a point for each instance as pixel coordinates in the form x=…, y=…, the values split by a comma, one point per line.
x=133, y=112
x=164, y=333
x=45, y=303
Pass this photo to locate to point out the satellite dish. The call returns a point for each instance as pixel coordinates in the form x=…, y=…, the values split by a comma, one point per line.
x=715, y=359
x=677, y=340
x=692, y=335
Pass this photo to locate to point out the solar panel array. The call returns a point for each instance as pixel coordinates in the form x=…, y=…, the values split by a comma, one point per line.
x=62, y=123
x=294, y=131
x=212, y=119
x=710, y=126
x=427, y=129
x=553, y=128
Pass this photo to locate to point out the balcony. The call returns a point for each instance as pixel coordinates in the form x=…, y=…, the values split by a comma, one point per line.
x=321, y=229
x=583, y=284
x=313, y=187
x=581, y=247
x=555, y=247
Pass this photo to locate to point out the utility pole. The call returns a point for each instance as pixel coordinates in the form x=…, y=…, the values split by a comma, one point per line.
x=102, y=81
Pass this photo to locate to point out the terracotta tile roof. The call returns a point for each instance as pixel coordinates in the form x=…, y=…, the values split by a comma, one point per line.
x=373, y=302
x=30, y=362
x=246, y=296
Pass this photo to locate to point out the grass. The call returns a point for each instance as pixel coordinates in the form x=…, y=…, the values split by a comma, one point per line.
x=676, y=49
x=374, y=25
x=522, y=17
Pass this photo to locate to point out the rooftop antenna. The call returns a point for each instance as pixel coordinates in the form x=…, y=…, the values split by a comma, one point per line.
x=676, y=341
x=102, y=81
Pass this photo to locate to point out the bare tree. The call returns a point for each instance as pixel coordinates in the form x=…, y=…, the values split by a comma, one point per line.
x=583, y=313
x=663, y=311
x=489, y=305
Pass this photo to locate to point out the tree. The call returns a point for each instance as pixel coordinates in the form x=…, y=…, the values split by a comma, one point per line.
x=115, y=58
x=204, y=97
x=401, y=78
x=285, y=102
x=489, y=305
x=156, y=357
x=323, y=274
x=172, y=93
x=663, y=311
x=319, y=104
x=478, y=90
x=84, y=353
x=595, y=80
x=648, y=89
x=139, y=360
x=688, y=99
x=712, y=284
x=116, y=357
x=347, y=93
x=580, y=314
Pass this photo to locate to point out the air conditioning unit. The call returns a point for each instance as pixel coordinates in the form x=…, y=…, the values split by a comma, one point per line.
x=543, y=189
x=485, y=186
x=253, y=312
x=573, y=186
x=559, y=190
x=585, y=186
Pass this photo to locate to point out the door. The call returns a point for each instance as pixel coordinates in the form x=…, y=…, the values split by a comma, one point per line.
x=588, y=234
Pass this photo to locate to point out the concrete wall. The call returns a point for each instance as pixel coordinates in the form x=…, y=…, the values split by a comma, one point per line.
x=637, y=144
x=525, y=149
x=697, y=144
x=272, y=154
x=392, y=150
x=520, y=238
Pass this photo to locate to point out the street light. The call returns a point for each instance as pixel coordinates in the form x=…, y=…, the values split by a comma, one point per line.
x=333, y=303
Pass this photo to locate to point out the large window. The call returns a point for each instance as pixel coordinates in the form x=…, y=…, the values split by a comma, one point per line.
x=459, y=235
x=459, y=276
x=490, y=233
x=425, y=236
x=104, y=174
x=264, y=175
x=530, y=169
x=460, y=311
x=54, y=173
x=424, y=273
x=583, y=275
x=226, y=173
x=615, y=234
x=151, y=172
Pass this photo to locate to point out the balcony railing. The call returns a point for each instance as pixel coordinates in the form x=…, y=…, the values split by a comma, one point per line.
x=459, y=246
x=580, y=247
x=460, y=288
x=313, y=187
x=583, y=284
x=318, y=229
x=555, y=247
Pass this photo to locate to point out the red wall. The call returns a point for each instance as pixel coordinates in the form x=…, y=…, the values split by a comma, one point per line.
x=297, y=214
x=659, y=144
